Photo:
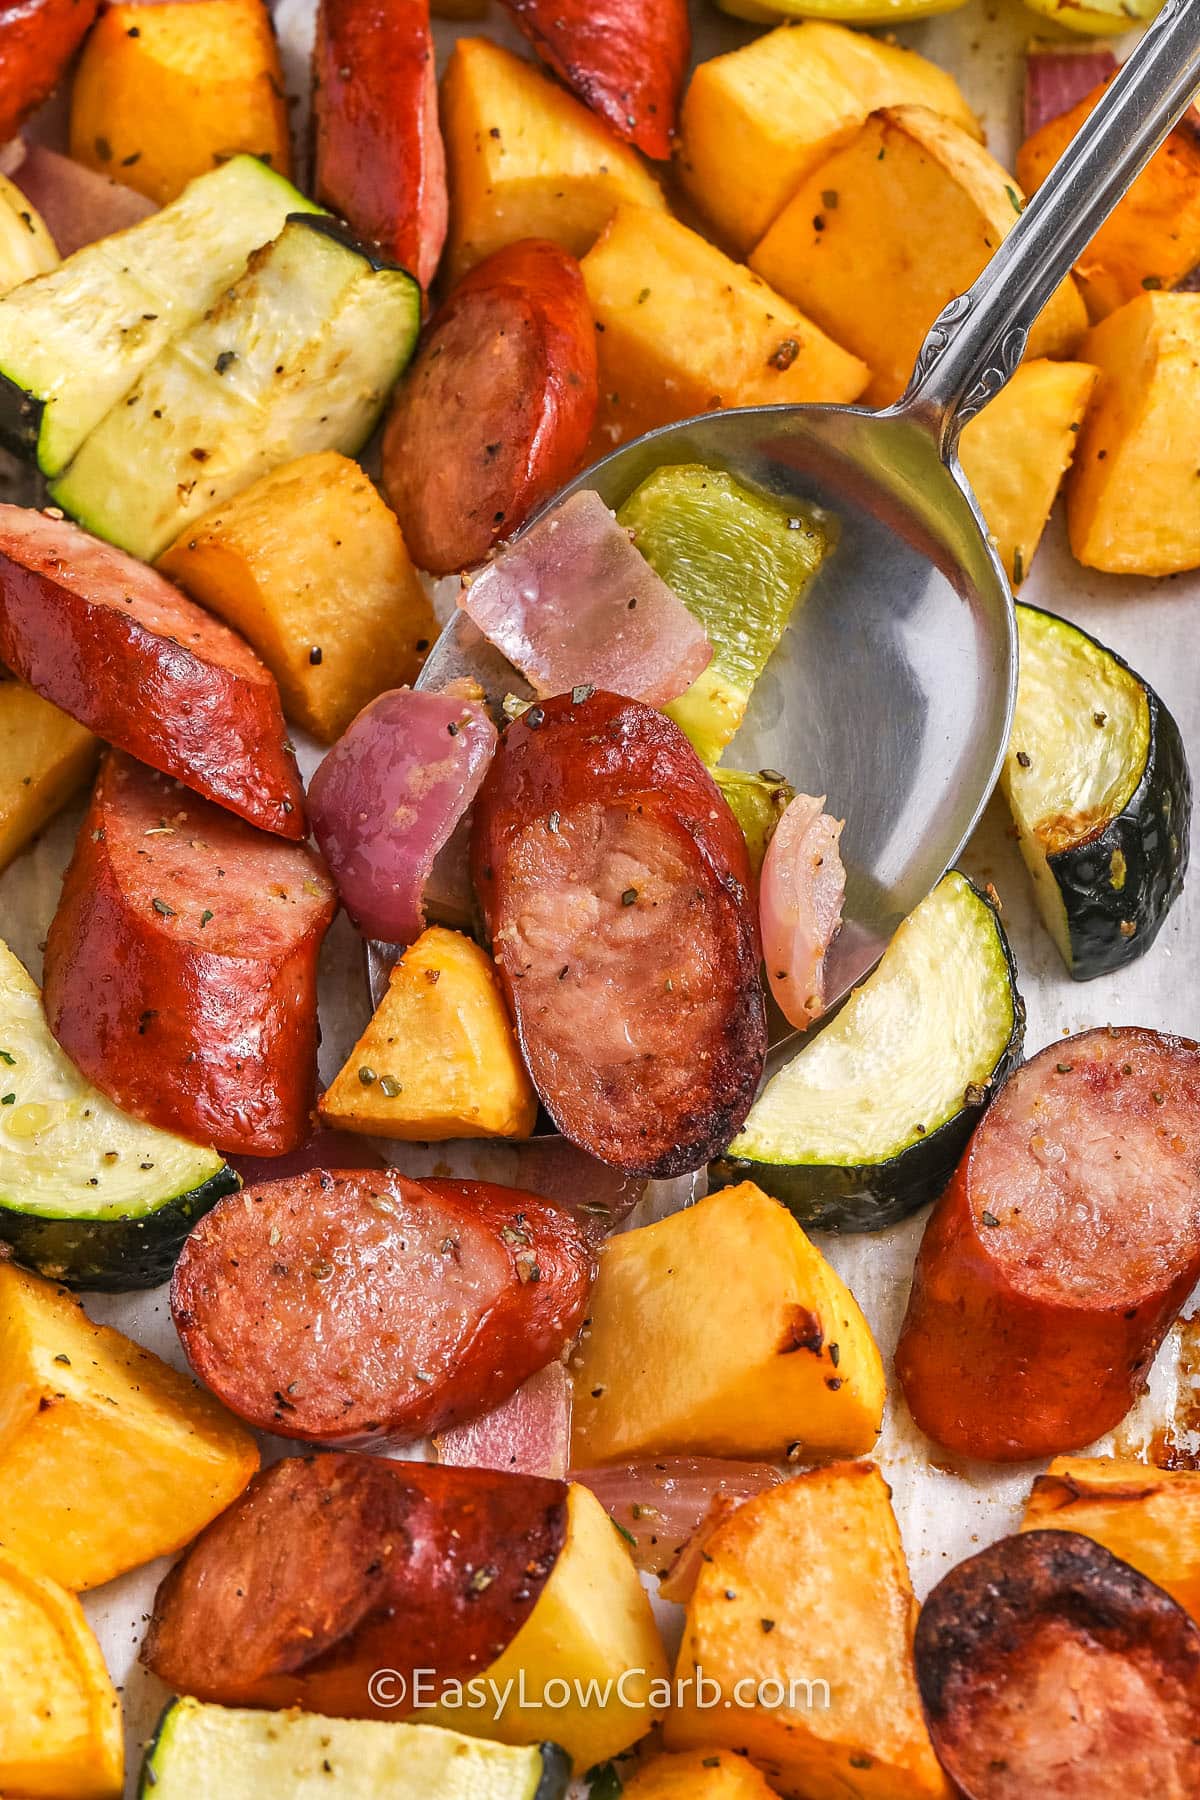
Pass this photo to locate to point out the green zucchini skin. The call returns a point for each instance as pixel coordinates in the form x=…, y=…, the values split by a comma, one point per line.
x=556, y=1773
x=1152, y=835
x=20, y=419
x=869, y=1197
x=112, y=1256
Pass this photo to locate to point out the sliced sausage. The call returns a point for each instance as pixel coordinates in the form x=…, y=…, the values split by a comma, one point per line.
x=124, y=652
x=1058, y=1257
x=181, y=965
x=348, y=1307
x=626, y=59
x=38, y=38
x=380, y=162
x=1046, y=1665
x=496, y=412
x=329, y=1568
x=615, y=884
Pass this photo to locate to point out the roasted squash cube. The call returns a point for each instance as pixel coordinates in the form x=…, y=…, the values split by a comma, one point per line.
x=1152, y=239
x=45, y=757
x=108, y=1458
x=166, y=93
x=697, y=1775
x=801, y=1623
x=1133, y=496
x=310, y=565
x=684, y=330
x=439, y=1058
x=723, y=1331
x=886, y=231
x=592, y=1629
x=1148, y=1517
x=1017, y=450
x=758, y=119
x=526, y=159
x=60, y=1718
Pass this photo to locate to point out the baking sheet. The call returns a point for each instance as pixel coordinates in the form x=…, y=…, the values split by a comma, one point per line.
x=945, y=1511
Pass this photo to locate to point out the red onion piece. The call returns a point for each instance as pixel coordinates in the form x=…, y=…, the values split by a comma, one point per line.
x=323, y=1149
x=1058, y=77
x=573, y=603
x=77, y=204
x=530, y=1434
x=388, y=796
x=800, y=896
x=661, y=1505
x=598, y=1197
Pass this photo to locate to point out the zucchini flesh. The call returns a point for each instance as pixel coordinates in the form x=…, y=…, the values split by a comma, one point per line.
x=73, y=342
x=88, y=1196
x=867, y=1121
x=299, y=356
x=26, y=247
x=740, y=562
x=201, y=1749
x=1097, y=782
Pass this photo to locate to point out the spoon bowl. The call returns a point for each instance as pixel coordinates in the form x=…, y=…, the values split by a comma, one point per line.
x=892, y=689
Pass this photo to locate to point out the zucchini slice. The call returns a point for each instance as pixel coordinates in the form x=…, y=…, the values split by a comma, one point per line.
x=1097, y=782
x=868, y=1120
x=739, y=561
x=88, y=1196
x=201, y=1750
x=26, y=247
x=73, y=342
x=298, y=356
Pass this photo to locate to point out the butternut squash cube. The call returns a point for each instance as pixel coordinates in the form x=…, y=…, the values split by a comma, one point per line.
x=756, y=121
x=166, y=93
x=108, y=1458
x=1148, y=1517
x=1152, y=239
x=526, y=159
x=309, y=564
x=60, y=1718
x=1017, y=450
x=853, y=12
x=1133, y=497
x=592, y=1628
x=697, y=1775
x=439, y=1058
x=801, y=1625
x=684, y=330
x=723, y=1331
x=45, y=757
x=887, y=230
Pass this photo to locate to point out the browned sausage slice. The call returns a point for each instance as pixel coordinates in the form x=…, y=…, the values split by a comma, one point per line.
x=1058, y=1257
x=124, y=652
x=38, y=38
x=614, y=882
x=345, y=1307
x=1047, y=1666
x=329, y=1568
x=379, y=158
x=496, y=412
x=181, y=965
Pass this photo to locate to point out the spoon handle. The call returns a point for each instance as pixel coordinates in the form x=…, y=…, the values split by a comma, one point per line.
x=978, y=340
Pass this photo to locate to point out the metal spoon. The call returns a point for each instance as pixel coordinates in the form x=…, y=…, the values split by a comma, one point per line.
x=892, y=690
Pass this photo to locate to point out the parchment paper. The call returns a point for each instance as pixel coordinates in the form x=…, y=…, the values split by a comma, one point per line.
x=945, y=1511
